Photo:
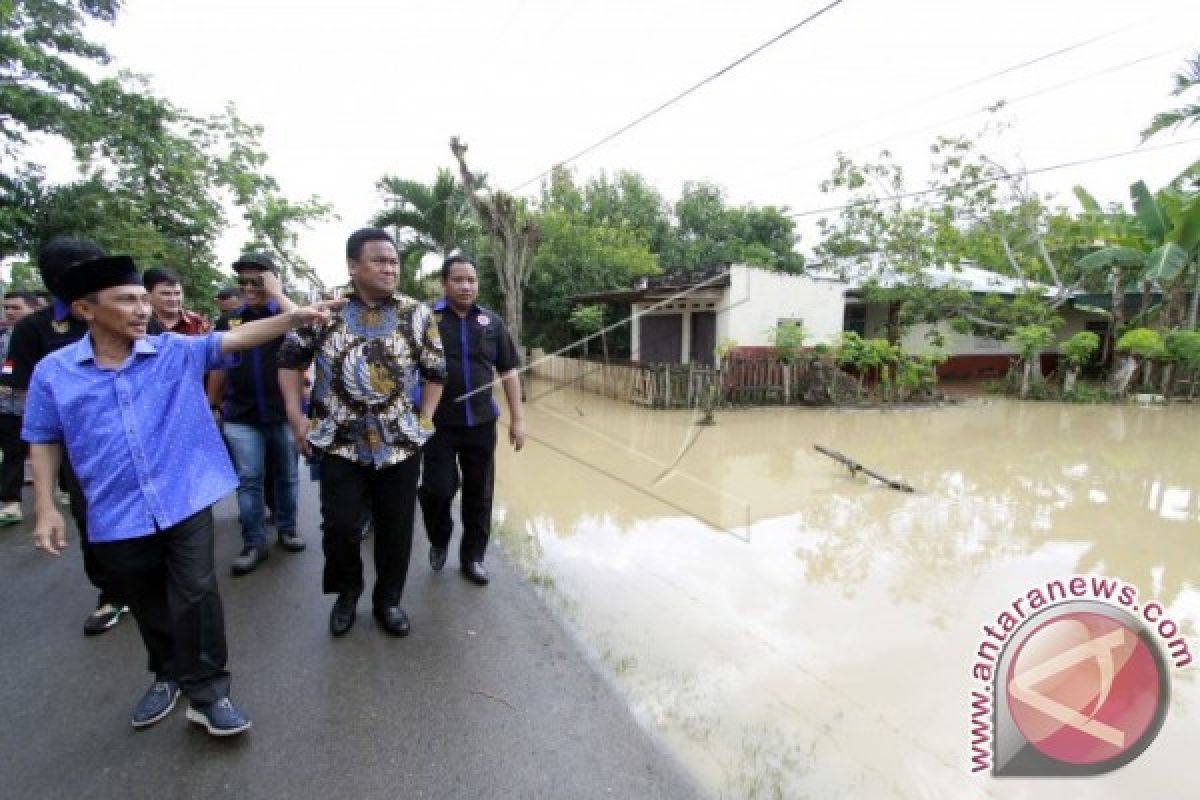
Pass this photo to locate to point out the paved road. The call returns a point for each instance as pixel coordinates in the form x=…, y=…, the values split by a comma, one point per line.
x=489, y=697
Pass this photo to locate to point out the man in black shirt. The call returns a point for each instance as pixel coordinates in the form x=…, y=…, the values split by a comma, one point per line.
x=247, y=402
x=33, y=338
x=477, y=347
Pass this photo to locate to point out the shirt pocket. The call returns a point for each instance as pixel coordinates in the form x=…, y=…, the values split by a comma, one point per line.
x=489, y=343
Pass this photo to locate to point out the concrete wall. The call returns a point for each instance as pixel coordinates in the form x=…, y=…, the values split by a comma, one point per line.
x=957, y=344
x=770, y=297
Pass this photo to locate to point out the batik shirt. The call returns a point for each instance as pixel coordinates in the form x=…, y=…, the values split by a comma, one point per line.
x=368, y=362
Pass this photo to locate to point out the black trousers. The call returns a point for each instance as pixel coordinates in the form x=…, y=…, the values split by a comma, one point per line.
x=350, y=491
x=471, y=451
x=12, y=469
x=168, y=581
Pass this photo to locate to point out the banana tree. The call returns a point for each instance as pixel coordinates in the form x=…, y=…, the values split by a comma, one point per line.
x=1118, y=265
x=1172, y=220
x=1163, y=251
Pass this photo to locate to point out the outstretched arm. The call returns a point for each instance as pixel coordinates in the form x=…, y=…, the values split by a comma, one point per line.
x=252, y=334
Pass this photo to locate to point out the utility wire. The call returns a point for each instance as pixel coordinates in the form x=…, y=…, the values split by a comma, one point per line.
x=1005, y=102
x=958, y=88
x=990, y=179
x=663, y=106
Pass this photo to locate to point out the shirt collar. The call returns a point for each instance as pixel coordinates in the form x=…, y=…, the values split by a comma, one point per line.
x=442, y=304
x=270, y=305
x=86, y=352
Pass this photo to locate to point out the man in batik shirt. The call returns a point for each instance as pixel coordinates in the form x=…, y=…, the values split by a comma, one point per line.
x=364, y=428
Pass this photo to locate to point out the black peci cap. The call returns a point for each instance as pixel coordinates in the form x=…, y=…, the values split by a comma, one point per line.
x=98, y=273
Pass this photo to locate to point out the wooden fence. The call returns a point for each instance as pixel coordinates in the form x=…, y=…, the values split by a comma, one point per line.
x=745, y=380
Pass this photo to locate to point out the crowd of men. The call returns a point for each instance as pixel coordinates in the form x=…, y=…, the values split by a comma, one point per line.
x=146, y=414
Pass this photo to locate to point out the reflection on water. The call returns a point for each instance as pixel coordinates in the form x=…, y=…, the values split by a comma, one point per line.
x=792, y=631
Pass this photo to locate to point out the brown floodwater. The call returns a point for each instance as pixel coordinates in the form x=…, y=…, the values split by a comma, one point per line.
x=793, y=631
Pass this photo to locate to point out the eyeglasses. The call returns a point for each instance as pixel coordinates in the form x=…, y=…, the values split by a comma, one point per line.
x=249, y=281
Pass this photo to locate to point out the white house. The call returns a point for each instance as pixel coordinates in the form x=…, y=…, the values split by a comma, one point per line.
x=681, y=318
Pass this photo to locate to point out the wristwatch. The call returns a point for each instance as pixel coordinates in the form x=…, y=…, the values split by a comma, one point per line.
x=425, y=423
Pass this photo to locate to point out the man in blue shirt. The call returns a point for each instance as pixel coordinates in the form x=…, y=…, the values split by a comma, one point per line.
x=39, y=334
x=130, y=411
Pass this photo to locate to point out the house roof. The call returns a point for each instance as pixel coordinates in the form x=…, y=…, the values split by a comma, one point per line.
x=671, y=282
x=965, y=276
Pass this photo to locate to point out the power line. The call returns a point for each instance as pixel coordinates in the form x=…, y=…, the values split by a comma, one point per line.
x=1005, y=102
x=991, y=179
x=968, y=84
x=681, y=95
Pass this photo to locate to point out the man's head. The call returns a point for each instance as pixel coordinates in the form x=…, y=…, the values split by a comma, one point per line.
x=19, y=304
x=250, y=269
x=460, y=283
x=107, y=294
x=62, y=252
x=228, y=298
x=373, y=263
x=165, y=289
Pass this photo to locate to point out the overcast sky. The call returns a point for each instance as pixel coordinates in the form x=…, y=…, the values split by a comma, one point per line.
x=352, y=90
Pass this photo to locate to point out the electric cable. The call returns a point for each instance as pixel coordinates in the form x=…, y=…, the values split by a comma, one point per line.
x=667, y=104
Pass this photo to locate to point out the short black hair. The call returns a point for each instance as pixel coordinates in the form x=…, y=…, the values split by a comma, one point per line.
x=226, y=292
x=62, y=252
x=26, y=296
x=156, y=275
x=354, y=245
x=457, y=258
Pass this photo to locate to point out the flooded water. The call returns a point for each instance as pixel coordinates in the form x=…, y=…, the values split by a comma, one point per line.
x=792, y=631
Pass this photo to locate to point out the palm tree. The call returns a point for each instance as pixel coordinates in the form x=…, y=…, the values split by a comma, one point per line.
x=431, y=218
x=1186, y=79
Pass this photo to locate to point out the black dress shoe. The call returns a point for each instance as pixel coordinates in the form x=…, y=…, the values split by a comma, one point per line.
x=248, y=560
x=393, y=619
x=341, y=618
x=437, y=557
x=475, y=572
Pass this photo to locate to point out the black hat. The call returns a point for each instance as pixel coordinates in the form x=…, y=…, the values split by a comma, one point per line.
x=96, y=274
x=256, y=261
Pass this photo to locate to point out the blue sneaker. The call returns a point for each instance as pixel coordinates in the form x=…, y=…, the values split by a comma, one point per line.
x=219, y=719
x=156, y=703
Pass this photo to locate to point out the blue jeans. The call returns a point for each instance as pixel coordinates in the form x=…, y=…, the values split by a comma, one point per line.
x=251, y=446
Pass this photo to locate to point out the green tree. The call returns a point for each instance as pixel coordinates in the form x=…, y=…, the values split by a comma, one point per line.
x=44, y=87
x=1185, y=81
x=1031, y=340
x=433, y=218
x=588, y=320
x=976, y=211
x=707, y=232
x=1141, y=346
x=579, y=253
x=1077, y=351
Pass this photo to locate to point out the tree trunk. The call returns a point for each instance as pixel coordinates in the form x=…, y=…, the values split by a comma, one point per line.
x=1026, y=378
x=1164, y=386
x=1109, y=355
x=1069, y=379
x=1118, y=381
x=1195, y=304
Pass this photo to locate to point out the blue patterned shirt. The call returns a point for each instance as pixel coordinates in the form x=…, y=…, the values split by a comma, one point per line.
x=140, y=437
x=369, y=360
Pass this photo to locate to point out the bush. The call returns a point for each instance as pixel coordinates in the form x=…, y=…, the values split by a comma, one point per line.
x=1080, y=348
x=1142, y=342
